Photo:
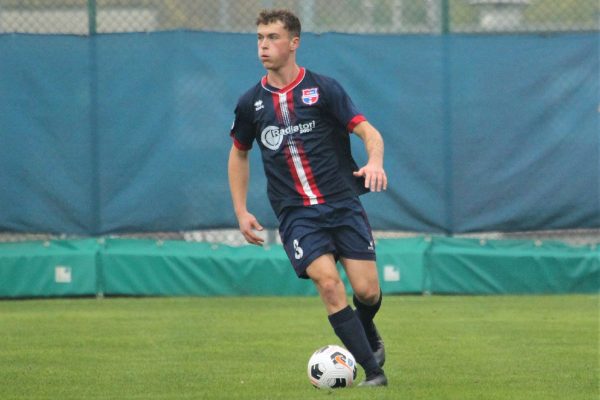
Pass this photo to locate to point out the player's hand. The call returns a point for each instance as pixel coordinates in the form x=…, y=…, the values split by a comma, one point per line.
x=248, y=225
x=375, y=178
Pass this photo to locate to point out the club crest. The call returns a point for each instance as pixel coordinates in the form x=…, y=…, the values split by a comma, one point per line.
x=310, y=96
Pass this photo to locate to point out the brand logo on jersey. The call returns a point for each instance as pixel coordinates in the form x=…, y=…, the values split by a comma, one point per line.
x=272, y=136
x=310, y=96
x=258, y=105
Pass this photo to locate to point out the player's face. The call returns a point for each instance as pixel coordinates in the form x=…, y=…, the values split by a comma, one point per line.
x=275, y=46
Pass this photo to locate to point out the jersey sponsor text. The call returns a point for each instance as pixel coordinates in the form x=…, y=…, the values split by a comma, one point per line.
x=272, y=136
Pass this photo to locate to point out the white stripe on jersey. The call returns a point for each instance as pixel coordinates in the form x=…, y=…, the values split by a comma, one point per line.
x=294, y=152
x=284, y=109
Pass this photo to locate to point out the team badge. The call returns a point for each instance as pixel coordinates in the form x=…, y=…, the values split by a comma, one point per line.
x=310, y=96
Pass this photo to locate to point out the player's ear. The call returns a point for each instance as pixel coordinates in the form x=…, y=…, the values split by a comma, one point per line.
x=295, y=43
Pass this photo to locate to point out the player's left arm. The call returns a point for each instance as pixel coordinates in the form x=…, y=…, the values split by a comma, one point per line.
x=375, y=178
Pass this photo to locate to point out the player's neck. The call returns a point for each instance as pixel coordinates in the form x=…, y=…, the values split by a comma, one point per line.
x=283, y=77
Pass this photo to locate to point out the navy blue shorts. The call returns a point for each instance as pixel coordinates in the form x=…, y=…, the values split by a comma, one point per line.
x=340, y=228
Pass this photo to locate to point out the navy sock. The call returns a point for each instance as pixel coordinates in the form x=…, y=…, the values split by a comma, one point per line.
x=365, y=314
x=348, y=328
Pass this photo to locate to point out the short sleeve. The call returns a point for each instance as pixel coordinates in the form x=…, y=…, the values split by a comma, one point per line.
x=242, y=129
x=341, y=106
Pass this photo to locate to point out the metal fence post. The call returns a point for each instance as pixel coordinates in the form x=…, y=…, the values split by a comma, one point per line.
x=95, y=222
x=447, y=118
x=91, y=5
x=445, y=17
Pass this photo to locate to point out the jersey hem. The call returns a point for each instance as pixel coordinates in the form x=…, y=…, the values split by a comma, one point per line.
x=329, y=199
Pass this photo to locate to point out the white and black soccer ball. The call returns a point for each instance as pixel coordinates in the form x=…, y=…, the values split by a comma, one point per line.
x=331, y=367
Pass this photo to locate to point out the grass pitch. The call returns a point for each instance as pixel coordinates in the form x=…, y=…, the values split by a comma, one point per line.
x=529, y=347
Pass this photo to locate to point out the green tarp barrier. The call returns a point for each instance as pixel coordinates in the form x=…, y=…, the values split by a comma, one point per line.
x=53, y=268
x=175, y=268
x=401, y=264
x=511, y=266
x=143, y=267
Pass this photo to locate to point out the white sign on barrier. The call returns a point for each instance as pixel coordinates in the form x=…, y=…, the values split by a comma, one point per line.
x=62, y=274
x=391, y=273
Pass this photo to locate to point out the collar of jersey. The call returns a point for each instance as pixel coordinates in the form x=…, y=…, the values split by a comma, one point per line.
x=286, y=89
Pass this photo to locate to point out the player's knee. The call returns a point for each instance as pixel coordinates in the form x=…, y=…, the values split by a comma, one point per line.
x=367, y=293
x=332, y=291
x=331, y=286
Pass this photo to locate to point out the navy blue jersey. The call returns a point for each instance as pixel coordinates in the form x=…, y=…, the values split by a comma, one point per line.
x=303, y=134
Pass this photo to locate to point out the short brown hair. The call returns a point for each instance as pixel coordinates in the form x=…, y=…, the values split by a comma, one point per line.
x=290, y=21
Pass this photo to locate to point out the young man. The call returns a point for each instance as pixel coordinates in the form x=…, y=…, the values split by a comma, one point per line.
x=301, y=122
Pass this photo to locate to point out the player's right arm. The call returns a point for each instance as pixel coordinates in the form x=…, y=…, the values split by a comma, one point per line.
x=238, y=169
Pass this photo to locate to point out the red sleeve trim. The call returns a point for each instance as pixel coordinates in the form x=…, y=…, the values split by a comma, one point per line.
x=240, y=145
x=355, y=121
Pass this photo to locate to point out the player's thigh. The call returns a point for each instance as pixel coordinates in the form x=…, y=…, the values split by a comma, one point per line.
x=364, y=278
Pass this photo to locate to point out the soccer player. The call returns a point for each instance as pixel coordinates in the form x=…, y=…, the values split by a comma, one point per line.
x=301, y=121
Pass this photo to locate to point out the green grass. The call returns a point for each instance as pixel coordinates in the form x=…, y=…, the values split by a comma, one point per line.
x=529, y=347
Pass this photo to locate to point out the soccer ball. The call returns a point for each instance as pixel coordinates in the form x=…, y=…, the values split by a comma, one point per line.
x=331, y=367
